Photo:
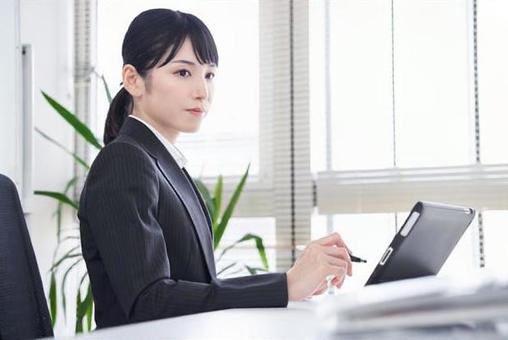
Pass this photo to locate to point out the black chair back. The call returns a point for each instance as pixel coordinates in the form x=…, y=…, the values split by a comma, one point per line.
x=23, y=310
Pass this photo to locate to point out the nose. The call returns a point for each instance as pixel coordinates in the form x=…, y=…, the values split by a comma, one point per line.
x=201, y=89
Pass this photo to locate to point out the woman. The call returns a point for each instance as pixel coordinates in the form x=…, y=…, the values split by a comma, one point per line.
x=145, y=232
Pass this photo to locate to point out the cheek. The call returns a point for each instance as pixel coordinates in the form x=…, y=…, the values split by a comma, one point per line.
x=211, y=92
x=167, y=93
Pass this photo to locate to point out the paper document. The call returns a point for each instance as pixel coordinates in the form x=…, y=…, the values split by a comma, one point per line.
x=422, y=302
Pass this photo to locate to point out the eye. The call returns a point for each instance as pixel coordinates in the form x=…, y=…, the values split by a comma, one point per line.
x=183, y=73
x=210, y=75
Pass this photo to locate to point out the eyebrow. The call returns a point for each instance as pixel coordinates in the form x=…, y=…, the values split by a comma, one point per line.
x=189, y=62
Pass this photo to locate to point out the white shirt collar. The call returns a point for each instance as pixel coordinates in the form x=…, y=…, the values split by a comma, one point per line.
x=172, y=149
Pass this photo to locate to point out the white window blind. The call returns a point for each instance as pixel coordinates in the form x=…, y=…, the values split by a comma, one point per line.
x=283, y=189
x=433, y=144
x=493, y=80
x=285, y=107
x=493, y=83
x=405, y=102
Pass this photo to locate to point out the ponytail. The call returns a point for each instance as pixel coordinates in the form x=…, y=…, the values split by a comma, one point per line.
x=119, y=109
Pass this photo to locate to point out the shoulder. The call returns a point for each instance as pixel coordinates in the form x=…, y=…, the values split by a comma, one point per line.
x=122, y=160
x=123, y=151
x=121, y=167
x=123, y=176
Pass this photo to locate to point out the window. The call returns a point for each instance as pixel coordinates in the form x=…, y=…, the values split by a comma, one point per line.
x=394, y=119
x=493, y=74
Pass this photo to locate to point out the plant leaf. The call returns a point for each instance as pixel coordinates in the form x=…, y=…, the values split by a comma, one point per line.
x=59, y=210
x=79, y=324
x=250, y=269
x=84, y=307
x=67, y=151
x=70, y=238
x=261, y=250
x=254, y=270
x=89, y=313
x=217, y=199
x=62, y=287
x=78, y=125
x=105, y=83
x=239, y=270
x=52, y=299
x=66, y=256
x=259, y=245
x=205, y=194
x=229, y=210
x=59, y=197
x=70, y=184
x=106, y=88
x=70, y=256
x=85, y=275
x=81, y=305
x=226, y=268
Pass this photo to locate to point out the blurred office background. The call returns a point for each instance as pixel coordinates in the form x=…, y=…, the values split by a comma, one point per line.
x=348, y=112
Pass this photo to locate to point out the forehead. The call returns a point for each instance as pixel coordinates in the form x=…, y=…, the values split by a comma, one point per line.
x=186, y=52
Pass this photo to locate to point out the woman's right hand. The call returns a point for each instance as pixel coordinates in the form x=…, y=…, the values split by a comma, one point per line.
x=321, y=258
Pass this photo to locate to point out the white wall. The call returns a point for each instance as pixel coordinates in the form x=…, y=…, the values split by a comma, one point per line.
x=47, y=26
x=10, y=90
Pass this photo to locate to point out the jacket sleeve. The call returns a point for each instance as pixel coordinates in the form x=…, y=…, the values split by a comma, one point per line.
x=121, y=208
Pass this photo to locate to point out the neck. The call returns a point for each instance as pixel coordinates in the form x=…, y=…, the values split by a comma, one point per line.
x=170, y=134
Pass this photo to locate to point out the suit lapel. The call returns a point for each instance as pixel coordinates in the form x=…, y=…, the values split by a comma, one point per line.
x=176, y=178
x=179, y=181
x=201, y=202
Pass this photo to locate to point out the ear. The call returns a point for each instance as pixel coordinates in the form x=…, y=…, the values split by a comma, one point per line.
x=132, y=81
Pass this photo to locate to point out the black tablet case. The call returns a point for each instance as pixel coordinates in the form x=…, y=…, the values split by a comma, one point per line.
x=427, y=245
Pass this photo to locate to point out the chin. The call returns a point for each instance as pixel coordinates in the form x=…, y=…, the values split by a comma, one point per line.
x=191, y=129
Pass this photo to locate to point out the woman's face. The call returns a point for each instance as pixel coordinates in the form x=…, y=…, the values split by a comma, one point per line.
x=175, y=97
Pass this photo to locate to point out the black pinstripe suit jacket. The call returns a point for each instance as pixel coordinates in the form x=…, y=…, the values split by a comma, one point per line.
x=147, y=242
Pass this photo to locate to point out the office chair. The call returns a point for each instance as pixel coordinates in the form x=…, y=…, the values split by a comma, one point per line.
x=23, y=310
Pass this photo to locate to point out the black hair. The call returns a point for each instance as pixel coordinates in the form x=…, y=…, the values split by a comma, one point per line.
x=150, y=36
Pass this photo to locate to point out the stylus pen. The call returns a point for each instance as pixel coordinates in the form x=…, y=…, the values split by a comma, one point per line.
x=356, y=259
x=351, y=256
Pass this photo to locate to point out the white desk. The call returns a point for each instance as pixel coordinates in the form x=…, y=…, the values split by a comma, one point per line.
x=424, y=308
x=297, y=321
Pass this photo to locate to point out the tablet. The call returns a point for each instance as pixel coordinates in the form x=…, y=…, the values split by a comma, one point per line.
x=424, y=242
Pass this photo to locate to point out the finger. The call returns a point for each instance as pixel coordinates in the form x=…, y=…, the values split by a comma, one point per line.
x=336, y=269
x=341, y=253
x=339, y=263
x=322, y=287
x=320, y=291
x=338, y=281
x=333, y=239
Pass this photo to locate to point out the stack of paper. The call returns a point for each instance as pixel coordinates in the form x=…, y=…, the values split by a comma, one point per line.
x=423, y=302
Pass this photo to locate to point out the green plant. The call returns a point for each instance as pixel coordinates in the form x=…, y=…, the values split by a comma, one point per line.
x=70, y=260
x=213, y=203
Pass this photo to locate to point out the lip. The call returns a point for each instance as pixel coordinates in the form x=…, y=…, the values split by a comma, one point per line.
x=196, y=111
